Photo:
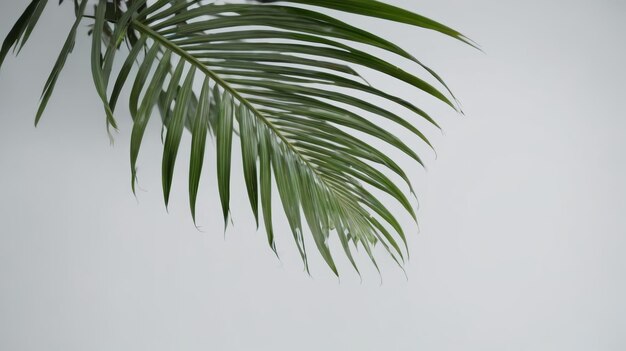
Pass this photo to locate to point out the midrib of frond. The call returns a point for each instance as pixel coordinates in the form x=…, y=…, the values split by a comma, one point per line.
x=338, y=195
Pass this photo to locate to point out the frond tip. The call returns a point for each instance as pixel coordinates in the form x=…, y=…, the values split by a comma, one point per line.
x=281, y=78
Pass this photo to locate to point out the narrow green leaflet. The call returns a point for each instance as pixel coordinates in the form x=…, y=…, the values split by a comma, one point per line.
x=265, y=181
x=41, y=5
x=249, y=151
x=27, y=21
x=60, y=63
x=174, y=134
x=96, y=62
x=373, y=8
x=125, y=71
x=224, y=138
x=142, y=116
x=199, y=133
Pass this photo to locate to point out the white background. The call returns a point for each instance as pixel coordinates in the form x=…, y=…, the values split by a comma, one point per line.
x=522, y=214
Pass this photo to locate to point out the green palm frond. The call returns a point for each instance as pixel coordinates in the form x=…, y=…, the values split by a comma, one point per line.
x=279, y=79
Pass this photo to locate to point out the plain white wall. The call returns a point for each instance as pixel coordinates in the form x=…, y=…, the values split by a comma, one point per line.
x=522, y=230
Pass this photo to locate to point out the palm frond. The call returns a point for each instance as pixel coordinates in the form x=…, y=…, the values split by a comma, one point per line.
x=281, y=78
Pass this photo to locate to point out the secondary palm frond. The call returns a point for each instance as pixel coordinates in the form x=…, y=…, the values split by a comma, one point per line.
x=280, y=77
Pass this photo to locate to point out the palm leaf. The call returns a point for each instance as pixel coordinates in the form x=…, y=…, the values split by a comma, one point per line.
x=283, y=78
